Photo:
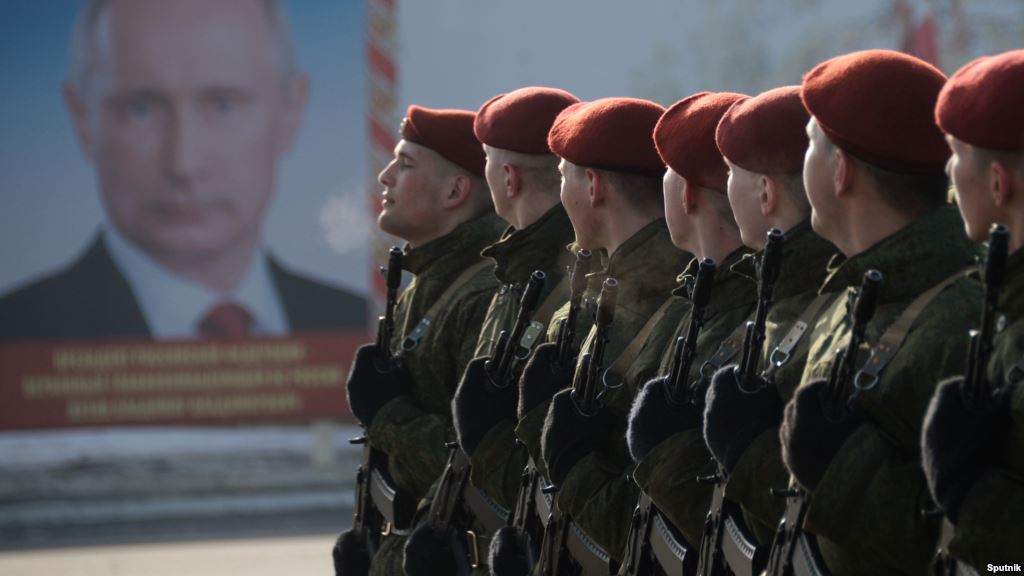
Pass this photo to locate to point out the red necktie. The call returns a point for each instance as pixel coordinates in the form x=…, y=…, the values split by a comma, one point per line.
x=226, y=320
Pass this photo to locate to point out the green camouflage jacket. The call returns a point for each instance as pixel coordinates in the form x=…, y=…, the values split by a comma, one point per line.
x=412, y=429
x=805, y=257
x=867, y=508
x=990, y=529
x=497, y=463
x=595, y=493
x=668, y=473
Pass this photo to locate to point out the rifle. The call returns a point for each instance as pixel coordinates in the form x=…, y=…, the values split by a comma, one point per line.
x=585, y=386
x=979, y=389
x=726, y=545
x=368, y=521
x=509, y=348
x=457, y=502
x=567, y=332
x=794, y=552
x=980, y=393
x=653, y=546
x=685, y=352
x=534, y=507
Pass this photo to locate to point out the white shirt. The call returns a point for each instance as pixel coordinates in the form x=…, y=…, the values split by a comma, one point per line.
x=173, y=306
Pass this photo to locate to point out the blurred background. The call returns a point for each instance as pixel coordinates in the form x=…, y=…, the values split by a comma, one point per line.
x=133, y=451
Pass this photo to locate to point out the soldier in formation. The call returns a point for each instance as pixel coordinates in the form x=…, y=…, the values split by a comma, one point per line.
x=751, y=334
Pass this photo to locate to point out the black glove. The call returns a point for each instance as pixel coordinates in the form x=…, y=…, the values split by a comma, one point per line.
x=809, y=438
x=478, y=406
x=569, y=435
x=958, y=443
x=541, y=378
x=426, y=554
x=654, y=417
x=505, y=556
x=350, y=557
x=733, y=418
x=373, y=383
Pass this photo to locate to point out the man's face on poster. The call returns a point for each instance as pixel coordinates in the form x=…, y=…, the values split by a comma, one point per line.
x=185, y=107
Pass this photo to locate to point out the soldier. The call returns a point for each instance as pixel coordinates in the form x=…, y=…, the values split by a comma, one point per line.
x=436, y=199
x=763, y=140
x=973, y=455
x=610, y=189
x=522, y=174
x=874, y=177
x=665, y=438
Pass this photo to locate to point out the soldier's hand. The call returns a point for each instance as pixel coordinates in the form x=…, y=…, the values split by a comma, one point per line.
x=426, y=554
x=654, y=418
x=505, y=556
x=809, y=438
x=350, y=556
x=569, y=435
x=735, y=416
x=373, y=383
x=541, y=378
x=478, y=405
x=959, y=443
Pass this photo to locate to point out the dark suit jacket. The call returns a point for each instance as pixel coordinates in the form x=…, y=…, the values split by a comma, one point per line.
x=91, y=299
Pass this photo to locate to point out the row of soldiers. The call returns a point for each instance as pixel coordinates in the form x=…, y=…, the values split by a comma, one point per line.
x=828, y=386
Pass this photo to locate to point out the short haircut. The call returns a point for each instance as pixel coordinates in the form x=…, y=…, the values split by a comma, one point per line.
x=84, y=36
x=1011, y=159
x=640, y=190
x=539, y=171
x=719, y=200
x=792, y=185
x=907, y=193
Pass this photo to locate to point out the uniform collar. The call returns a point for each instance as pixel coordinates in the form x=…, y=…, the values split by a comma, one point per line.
x=805, y=258
x=519, y=252
x=459, y=247
x=727, y=286
x=934, y=247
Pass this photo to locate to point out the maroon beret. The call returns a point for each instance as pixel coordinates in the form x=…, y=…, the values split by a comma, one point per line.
x=520, y=120
x=447, y=132
x=879, y=106
x=766, y=134
x=983, y=102
x=685, y=137
x=610, y=133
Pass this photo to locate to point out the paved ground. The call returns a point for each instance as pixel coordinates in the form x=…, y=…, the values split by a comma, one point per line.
x=298, y=556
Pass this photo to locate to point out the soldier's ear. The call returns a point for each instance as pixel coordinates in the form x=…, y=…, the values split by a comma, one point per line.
x=1000, y=182
x=457, y=192
x=513, y=180
x=768, y=194
x=595, y=187
x=842, y=171
x=690, y=194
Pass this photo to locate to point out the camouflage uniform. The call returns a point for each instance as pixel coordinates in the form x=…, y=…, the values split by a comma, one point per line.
x=867, y=508
x=596, y=494
x=499, y=460
x=989, y=527
x=412, y=429
x=668, y=473
x=804, y=261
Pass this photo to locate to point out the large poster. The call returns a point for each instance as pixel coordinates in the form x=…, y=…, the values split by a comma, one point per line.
x=184, y=220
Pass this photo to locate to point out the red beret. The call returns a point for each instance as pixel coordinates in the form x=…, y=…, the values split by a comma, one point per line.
x=766, y=134
x=520, y=120
x=447, y=132
x=878, y=105
x=611, y=134
x=983, y=102
x=685, y=137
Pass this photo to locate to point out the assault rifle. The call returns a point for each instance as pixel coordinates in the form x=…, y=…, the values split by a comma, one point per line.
x=457, y=503
x=589, y=380
x=567, y=333
x=979, y=391
x=794, y=552
x=511, y=347
x=378, y=506
x=727, y=546
x=653, y=545
x=685, y=352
